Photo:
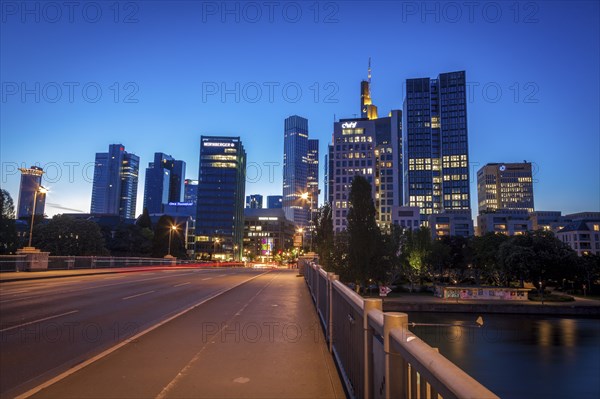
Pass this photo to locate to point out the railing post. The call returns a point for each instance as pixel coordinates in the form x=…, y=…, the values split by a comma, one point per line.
x=317, y=288
x=331, y=277
x=369, y=304
x=394, y=387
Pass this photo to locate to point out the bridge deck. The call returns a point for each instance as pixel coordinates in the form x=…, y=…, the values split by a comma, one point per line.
x=259, y=340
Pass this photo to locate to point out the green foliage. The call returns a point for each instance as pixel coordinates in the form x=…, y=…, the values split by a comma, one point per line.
x=130, y=240
x=144, y=220
x=8, y=230
x=67, y=236
x=324, y=237
x=416, y=252
x=364, y=235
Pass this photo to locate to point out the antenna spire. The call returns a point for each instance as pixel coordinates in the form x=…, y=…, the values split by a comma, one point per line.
x=369, y=72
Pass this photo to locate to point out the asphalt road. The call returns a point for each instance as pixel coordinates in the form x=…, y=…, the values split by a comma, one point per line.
x=48, y=326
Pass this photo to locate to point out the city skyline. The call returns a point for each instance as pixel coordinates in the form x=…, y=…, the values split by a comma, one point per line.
x=534, y=107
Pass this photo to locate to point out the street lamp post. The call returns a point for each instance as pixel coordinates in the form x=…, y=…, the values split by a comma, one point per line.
x=173, y=228
x=40, y=190
x=215, y=247
x=306, y=196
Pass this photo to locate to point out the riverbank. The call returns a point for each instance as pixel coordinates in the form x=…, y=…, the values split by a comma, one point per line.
x=406, y=303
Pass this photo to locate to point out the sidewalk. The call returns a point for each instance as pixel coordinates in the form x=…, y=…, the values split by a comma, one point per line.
x=259, y=340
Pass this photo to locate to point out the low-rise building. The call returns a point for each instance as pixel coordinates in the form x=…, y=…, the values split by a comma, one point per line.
x=504, y=221
x=582, y=235
x=407, y=217
x=451, y=223
x=548, y=220
x=266, y=232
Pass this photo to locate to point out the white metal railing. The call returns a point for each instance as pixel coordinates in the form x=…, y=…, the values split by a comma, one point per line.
x=376, y=353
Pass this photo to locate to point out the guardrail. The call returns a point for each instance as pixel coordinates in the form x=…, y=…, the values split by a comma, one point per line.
x=12, y=263
x=376, y=353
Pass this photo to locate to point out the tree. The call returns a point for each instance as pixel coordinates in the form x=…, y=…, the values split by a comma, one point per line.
x=485, y=256
x=144, y=220
x=66, y=236
x=130, y=240
x=363, y=233
x=160, y=245
x=324, y=237
x=8, y=230
x=416, y=251
x=588, y=272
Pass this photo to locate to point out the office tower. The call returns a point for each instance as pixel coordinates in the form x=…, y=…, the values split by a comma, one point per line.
x=114, y=191
x=367, y=109
x=220, y=209
x=274, y=201
x=312, y=180
x=295, y=170
x=31, y=181
x=329, y=174
x=190, y=191
x=254, y=201
x=369, y=147
x=435, y=146
x=505, y=186
x=164, y=182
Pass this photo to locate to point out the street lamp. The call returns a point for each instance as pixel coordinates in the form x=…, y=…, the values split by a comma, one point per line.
x=41, y=190
x=171, y=230
x=217, y=240
x=305, y=196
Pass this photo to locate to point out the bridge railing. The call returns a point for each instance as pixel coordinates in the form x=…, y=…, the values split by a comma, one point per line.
x=376, y=353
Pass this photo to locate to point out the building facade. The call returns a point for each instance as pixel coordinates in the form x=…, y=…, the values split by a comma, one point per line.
x=451, y=223
x=505, y=186
x=114, y=191
x=435, y=144
x=406, y=217
x=312, y=180
x=583, y=236
x=254, y=201
x=220, y=204
x=274, y=201
x=295, y=169
x=190, y=191
x=31, y=181
x=508, y=222
x=266, y=233
x=164, y=182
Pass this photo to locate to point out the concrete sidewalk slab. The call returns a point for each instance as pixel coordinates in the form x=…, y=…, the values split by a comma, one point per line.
x=259, y=340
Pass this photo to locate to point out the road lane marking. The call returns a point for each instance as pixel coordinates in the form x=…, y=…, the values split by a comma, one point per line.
x=136, y=295
x=221, y=275
x=208, y=278
x=179, y=285
x=184, y=371
x=38, y=320
x=108, y=351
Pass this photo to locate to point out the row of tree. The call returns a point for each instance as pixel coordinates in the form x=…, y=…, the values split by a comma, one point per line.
x=363, y=254
x=67, y=236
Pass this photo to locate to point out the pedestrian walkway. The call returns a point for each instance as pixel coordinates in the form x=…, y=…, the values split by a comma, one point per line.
x=259, y=340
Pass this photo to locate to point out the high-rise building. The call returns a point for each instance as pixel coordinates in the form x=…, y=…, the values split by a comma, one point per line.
x=369, y=147
x=31, y=181
x=190, y=191
x=114, y=191
x=274, y=201
x=164, y=182
x=505, y=186
x=295, y=170
x=312, y=180
x=254, y=201
x=220, y=208
x=328, y=181
x=435, y=145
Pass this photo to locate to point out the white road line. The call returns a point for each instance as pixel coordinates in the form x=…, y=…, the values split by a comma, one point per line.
x=208, y=278
x=38, y=320
x=221, y=275
x=135, y=296
x=107, y=352
x=179, y=285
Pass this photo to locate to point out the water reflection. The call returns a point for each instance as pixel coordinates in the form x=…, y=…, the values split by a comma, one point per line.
x=521, y=356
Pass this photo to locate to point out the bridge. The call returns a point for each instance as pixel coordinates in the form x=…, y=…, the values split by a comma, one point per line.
x=211, y=332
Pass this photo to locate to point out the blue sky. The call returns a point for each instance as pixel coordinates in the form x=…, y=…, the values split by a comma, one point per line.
x=161, y=67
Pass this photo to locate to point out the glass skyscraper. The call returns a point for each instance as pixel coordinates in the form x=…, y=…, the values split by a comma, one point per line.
x=312, y=180
x=31, y=180
x=505, y=186
x=435, y=145
x=254, y=201
x=164, y=182
x=295, y=169
x=114, y=191
x=274, y=201
x=220, y=208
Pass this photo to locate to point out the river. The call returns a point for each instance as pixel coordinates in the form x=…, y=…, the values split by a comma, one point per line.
x=520, y=356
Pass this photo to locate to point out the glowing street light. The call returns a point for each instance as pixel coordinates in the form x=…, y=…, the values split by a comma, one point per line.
x=171, y=230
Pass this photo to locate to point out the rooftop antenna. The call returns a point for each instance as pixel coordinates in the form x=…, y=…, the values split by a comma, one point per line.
x=369, y=71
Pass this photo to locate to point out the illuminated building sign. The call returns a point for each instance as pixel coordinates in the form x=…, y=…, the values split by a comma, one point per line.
x=349, y=125
x=217, y=144
x=267, y=218
x=181, y=204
